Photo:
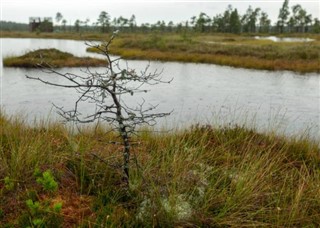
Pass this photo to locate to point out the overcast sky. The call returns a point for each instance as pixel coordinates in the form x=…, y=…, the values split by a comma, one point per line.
x=145, y=11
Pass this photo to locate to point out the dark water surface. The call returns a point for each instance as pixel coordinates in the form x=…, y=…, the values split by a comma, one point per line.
x=203, y=93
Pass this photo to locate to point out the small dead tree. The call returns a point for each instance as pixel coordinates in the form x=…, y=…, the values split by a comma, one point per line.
x=106, y=90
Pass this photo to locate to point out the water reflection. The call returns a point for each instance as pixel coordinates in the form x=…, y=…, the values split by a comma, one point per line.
x=283, y=39
x=199, y=92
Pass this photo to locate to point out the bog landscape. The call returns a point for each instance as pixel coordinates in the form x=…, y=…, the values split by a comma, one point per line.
x=208, y=122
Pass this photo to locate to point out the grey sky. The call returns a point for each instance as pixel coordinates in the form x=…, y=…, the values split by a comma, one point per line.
x=145, y=11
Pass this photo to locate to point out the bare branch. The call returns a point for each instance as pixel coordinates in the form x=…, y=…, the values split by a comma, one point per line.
x=104, y=91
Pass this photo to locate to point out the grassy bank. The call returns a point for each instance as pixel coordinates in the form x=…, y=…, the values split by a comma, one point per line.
x=236, y=51
x=200, y=176
x=52, y=57
x=223, y=49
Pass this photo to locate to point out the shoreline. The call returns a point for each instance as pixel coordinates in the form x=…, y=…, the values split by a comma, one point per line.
x=237, y=51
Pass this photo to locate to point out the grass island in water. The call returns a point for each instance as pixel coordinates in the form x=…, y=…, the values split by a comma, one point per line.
x=53, y=58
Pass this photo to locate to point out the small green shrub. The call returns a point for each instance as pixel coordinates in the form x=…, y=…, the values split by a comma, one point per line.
x=57, y=207
x=47, y=181
x=34, y=207
x=8, y=183
x=41, y=214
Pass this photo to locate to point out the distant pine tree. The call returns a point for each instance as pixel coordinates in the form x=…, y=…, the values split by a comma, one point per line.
x=13, y=26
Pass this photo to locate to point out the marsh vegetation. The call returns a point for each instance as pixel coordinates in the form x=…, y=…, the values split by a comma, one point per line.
x=242, y=51
x=200, y=176
x=230, y=50
x=219, y=175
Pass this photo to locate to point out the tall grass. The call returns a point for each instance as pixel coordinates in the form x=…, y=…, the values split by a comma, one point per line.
x=201, y=176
